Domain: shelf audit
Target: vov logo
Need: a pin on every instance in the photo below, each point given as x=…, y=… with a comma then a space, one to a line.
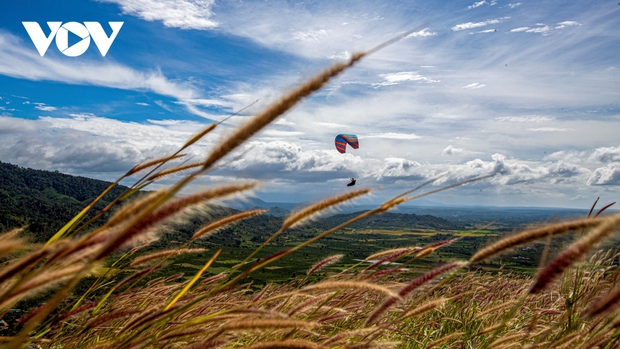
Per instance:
x=61, y=32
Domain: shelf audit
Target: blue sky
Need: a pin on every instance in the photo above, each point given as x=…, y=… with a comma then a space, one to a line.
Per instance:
x=528, y=87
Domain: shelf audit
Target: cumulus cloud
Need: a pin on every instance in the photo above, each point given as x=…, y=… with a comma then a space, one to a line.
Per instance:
x=516, y=173
x=281, y=160
x=608, y=175
x=86, y=143
x=184, y=14
x=601, y=155
x=450, y=150
x=401, y=169
x=606, y=154
x=571, y=156
x=10, y=125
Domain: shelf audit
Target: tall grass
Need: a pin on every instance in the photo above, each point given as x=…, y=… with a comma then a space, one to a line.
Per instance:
x=571, y=303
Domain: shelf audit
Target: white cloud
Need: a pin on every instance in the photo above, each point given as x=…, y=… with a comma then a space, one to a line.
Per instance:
x=88, y=144
x=194, y=105
x=10, y=125
x=545, y=29
x=476, y=4
x=542, y=29
x=289, y=161
x=570, y=156
x=184, y=14
x=608, y=175
x=208, y=102
x=426, y=32
x=43, y=107
x=450, y=150
x=312, y=35
x=601, y=155
x=473, y=86
x=344, y=55
x=399, y=168
x=400, y=77
x=606, y=154
x=166, y=122
x=565, y=24
x=471, y=25
x=142, y=104
x=515, y=5
x=163, y=105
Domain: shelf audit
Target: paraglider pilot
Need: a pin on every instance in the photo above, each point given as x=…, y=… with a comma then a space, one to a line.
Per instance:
x=352, y=182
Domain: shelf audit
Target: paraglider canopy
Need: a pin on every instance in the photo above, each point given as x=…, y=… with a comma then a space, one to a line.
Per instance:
x=343, y=139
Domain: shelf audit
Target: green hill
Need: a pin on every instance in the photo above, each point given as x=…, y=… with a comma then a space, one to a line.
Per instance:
x=44, y=201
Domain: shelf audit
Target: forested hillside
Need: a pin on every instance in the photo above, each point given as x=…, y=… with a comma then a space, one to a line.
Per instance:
x=44, y=201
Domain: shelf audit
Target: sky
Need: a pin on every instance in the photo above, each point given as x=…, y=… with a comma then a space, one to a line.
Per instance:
x=527, y=88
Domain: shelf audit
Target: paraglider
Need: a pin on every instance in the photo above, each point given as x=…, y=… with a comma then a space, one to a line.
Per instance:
x=343, y=139
x=341, y=145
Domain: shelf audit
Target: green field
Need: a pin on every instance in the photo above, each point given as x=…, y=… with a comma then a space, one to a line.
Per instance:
x=355, y=244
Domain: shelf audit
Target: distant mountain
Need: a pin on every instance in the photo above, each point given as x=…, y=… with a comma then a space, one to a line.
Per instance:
x=254, y=202
x=278, y=211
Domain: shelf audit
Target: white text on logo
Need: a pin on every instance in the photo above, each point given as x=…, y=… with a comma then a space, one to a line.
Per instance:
x=61, y=33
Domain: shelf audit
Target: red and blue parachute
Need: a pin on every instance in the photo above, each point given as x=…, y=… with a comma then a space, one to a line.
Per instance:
x=343, y=139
